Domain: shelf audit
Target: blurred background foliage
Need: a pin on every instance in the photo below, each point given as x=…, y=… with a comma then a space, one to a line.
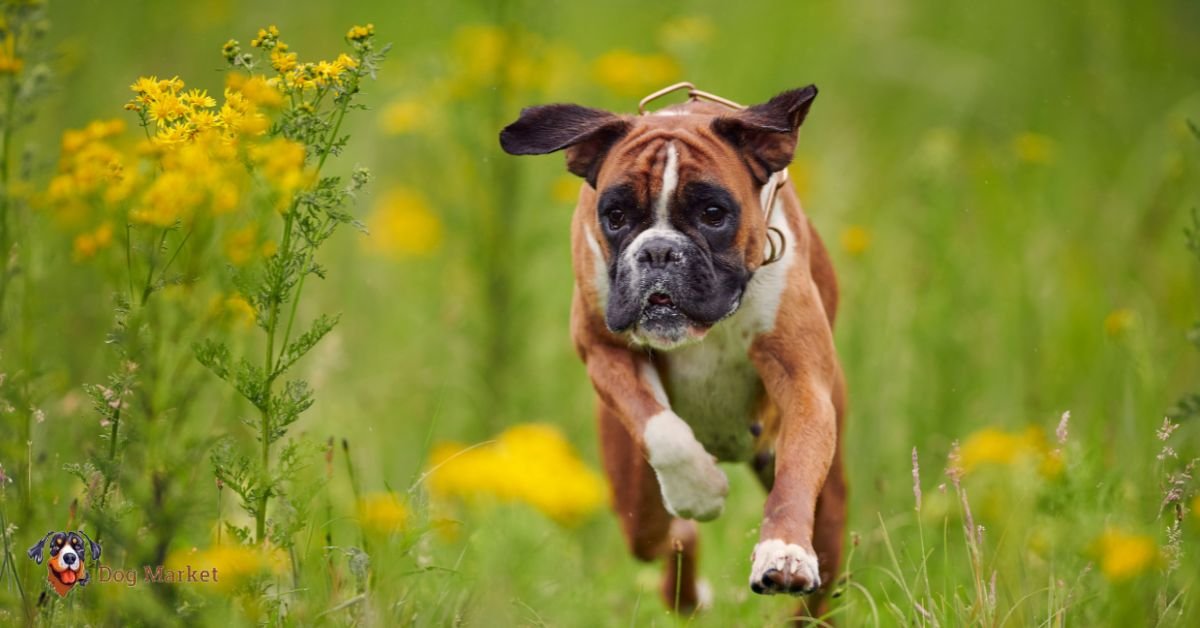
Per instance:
x=1003, y=188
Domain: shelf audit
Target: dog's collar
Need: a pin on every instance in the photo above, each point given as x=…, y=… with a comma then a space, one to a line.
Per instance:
x=775, y=183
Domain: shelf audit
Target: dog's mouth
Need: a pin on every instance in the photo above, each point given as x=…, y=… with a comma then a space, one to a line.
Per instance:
x=659, y=299
x=66, y=576
x=664, y=325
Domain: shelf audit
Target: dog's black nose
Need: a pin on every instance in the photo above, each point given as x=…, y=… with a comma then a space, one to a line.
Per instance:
x=69, y=559
x=659, y=254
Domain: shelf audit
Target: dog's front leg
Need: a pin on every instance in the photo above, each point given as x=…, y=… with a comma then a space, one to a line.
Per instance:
x=692, y=485
x=783, y=561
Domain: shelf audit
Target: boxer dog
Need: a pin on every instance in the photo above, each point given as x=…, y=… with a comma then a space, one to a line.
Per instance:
x=703, y=309
x=67, y=557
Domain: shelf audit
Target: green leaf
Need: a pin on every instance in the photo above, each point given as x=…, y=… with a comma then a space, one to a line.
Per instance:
x=302, y=345
x=214, y=356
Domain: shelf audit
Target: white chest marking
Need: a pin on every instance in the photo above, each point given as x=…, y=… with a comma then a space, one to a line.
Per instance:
x=712, y=384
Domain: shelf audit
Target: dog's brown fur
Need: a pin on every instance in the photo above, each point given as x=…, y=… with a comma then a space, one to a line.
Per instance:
x=802, y=395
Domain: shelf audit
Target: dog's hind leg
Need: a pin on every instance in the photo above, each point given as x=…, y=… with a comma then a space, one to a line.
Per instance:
x=650, y=531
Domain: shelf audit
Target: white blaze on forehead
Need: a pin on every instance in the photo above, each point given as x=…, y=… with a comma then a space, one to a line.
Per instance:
x=662, y=227
x=670, y=180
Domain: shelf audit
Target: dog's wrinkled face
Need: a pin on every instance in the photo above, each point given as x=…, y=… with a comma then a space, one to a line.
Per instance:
x=677, y=216
x=673, y=235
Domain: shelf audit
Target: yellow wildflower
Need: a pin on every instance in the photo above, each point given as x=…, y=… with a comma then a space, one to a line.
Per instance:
x=1034, y=148
x=995, y=446
x=346, y=61
x=230, y=564
x=197, y=98
x=9, y=62
x=103, y=129
x=1124, y=555
x=359, y=33
x=686, y=32
x=402, y=224
x=405, y=116
x=283, y=61
x=89, y=243
x=240, y=244
x=267, y=38
x=281, y=162
x=856, y=240
x=938, y=149
x=478, y=50
x=328, y=72
x=633, y=75
x=1118, y=322
x=531, y=463
x=166, y=108
x=146, y=87
x=800, y=174
x=382, y=513
x=566, y=189
x=239, y=310
x=256, y=89
x=170, y=198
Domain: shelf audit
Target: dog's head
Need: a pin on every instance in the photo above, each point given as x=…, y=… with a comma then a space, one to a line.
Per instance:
x=677, y=212
x=67, y=557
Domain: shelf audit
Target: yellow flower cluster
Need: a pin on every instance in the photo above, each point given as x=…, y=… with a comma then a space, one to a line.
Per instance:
x=193, y=163
x=530, y=463
x=402, y=224
x=234, y=564
x=634, y=75
x=360, y=33
x=856, y=240
x=244, y=244
x=281, y=162
x=382, y=513
x=294, y=75
x=10, y=63
x=1034, y=148
x=998, y=447
x=1124, y=555
x=1118, y=322
x=88, y=168
x=180, y=116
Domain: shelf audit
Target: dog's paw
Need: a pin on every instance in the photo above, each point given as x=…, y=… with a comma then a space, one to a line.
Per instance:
x=693, y=487
x=695, y=490
x=778, y=567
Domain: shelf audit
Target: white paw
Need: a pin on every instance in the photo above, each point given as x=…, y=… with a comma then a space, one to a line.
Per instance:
x=778, y=567
x=692, y=485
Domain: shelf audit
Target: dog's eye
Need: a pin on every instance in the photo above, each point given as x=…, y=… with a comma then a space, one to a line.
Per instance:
x=616, y=219
x=713, y=216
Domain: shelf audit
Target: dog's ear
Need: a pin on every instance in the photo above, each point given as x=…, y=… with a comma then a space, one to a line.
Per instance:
x=585, y=133
x=36, y=552
x=765, y=135
x=92, y=545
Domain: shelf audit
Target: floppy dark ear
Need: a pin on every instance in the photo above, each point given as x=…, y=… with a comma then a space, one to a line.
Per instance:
x=36, y=552
x=586, y=133
x=765, y=135
x=92, y=545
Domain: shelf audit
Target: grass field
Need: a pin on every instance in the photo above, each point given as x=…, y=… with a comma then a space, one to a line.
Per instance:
x=1004, y=189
